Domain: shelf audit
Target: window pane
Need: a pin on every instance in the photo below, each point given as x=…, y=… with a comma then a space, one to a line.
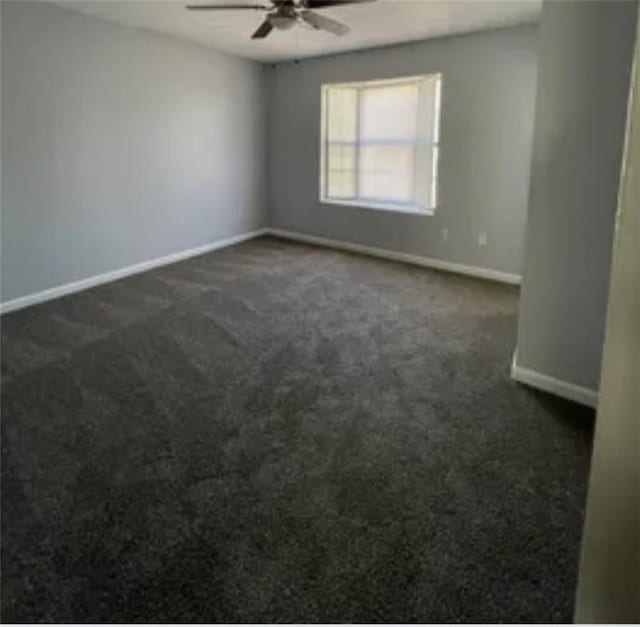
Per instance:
x=341, y=184
x=341, y=157
x=389, y=112
x=341, y=177
x=387, y=173
x=341, y=114
x=429, y=110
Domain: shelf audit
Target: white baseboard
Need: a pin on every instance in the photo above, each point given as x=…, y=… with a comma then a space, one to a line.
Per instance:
x=107, y=277
x=383, y=253
x=564, y=389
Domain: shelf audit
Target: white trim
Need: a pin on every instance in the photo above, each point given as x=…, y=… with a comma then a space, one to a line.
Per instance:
x=383, y=253
x=564, y=389
x=384, y=82
x=107, y=277
x=379, y=206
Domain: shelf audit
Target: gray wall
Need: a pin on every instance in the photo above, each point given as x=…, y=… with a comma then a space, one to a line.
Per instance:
x=583, y=85
x=119, y=146
x=488, y=95
x=609, y=588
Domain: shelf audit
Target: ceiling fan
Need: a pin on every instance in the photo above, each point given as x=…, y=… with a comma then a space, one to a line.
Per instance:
x=284, y=14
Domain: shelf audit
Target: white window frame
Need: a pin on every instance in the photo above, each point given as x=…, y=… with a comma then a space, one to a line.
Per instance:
x=365, y=203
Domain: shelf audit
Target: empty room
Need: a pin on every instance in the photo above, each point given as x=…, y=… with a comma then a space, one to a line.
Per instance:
x=319, y=311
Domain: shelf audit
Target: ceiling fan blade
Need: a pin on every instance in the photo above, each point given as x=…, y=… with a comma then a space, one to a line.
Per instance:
x=324, y=23
x=225, y=7
x=263, y=30
x=322, y=4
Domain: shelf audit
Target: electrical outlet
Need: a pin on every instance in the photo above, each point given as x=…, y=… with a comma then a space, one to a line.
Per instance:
x=482, y=239
x=444, y=234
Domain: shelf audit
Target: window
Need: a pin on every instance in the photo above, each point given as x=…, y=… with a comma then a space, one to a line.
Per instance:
x=380, y=143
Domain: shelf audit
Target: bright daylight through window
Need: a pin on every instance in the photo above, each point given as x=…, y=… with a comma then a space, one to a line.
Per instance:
x=380, y=143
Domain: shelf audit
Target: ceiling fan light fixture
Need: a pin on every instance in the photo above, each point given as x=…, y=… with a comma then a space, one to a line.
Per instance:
x=282, y=22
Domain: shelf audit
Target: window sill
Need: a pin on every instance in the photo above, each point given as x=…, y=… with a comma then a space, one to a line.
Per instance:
x=409, y=209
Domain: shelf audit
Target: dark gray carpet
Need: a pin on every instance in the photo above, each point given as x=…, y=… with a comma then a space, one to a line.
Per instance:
x=277, y=432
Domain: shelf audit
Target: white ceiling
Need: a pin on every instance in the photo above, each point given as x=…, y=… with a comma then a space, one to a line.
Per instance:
x=372, y=24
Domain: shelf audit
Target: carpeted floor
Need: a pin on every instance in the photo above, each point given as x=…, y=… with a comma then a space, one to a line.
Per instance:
x=276, y=433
